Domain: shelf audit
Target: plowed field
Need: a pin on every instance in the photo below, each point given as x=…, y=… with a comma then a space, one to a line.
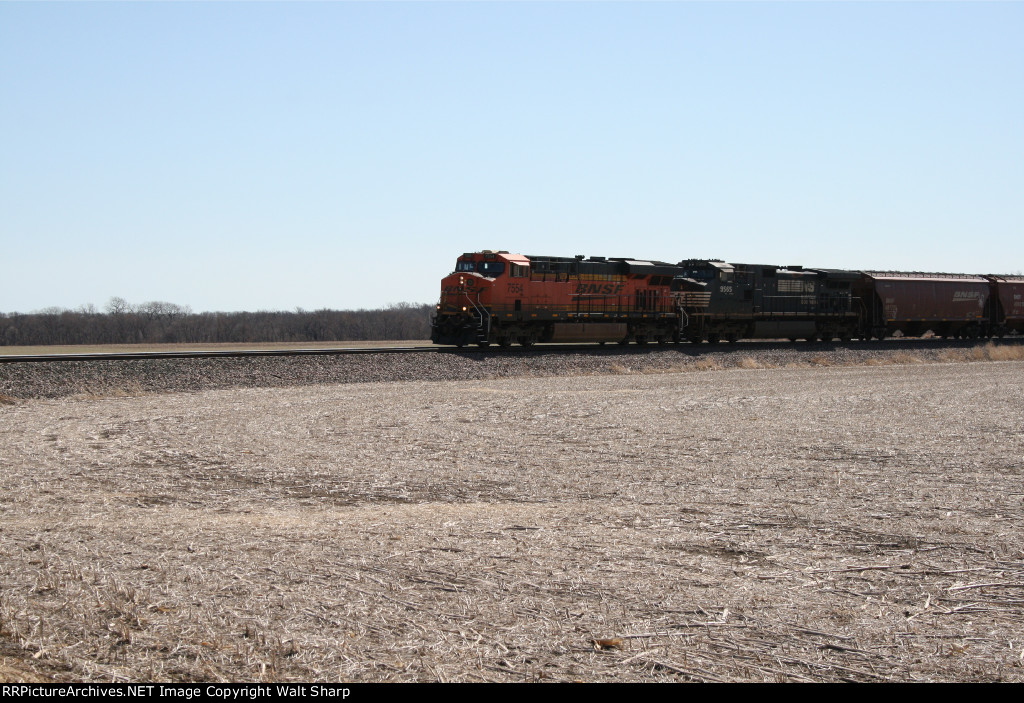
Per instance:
x=748, y=524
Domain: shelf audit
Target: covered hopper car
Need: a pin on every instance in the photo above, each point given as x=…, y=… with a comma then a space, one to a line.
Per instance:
x=1007, y=304
x=949, y=305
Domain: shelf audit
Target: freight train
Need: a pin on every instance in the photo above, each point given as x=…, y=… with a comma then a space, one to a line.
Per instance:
x=494, y=297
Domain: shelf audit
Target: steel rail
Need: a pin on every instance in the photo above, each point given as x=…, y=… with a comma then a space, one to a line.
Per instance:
x=247, y=353
x=609, y=348
x=207, y=354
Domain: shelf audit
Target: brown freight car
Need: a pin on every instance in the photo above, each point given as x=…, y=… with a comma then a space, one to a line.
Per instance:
x=1007, y=303
x=950, y=305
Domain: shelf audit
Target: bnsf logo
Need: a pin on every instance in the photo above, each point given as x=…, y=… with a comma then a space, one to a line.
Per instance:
x=969, y=296
x=599, y=288
x=455, y=288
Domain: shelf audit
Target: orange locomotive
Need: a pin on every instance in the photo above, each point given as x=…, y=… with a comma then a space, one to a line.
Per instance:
x=502, y=298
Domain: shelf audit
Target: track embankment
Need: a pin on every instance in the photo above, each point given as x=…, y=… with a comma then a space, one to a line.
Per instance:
x=113, y=378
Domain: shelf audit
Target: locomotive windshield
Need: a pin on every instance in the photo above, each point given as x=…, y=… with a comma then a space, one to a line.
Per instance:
x=700, y=274
x=491, y=268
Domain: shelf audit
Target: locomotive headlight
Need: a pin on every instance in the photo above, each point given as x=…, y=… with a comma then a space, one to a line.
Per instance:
x=462, y=281
x=464, y=308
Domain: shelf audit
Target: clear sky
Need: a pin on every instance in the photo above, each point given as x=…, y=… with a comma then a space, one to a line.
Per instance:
x=268, y=156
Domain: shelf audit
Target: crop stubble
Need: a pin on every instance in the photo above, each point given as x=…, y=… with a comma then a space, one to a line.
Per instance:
x=820, y=524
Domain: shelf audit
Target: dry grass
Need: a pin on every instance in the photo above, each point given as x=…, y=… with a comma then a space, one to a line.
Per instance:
x=998, y=352
x=1004, y=352
x=987, y=352
x=817, y=524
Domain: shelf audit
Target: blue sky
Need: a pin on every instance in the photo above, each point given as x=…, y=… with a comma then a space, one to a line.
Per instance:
x=254, y=156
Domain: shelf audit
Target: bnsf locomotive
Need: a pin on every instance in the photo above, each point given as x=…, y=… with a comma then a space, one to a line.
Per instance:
x=502, y=298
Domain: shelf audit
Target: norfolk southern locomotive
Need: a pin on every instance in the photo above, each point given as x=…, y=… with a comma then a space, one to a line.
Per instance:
x=494, y=297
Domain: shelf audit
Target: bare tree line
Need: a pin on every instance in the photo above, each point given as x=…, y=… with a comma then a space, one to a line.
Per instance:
x=159, y=322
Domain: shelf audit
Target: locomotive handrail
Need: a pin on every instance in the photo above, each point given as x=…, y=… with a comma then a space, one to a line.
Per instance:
x=482, y=312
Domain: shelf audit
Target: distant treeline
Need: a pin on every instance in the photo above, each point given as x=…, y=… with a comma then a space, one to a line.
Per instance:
x=159, y=323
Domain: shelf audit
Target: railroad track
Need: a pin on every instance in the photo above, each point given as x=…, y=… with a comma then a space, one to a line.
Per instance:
x=748, y=345
x=244, y=353
x=208, y=354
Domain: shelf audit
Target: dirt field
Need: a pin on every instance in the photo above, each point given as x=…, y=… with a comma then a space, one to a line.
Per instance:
x=821, y=524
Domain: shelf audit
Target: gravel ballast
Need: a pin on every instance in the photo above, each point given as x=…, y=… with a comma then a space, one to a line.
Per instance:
x=117, y=378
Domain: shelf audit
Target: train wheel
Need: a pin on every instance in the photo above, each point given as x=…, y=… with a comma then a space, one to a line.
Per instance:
x=641, y=340
x=484, y=344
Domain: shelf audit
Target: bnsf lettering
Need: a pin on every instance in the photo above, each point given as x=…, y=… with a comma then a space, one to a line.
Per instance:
x=456, y=288
x=599, y=288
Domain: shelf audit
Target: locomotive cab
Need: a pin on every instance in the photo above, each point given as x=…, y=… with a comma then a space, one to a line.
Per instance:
x=490, y=267
x=714, y=296
x=696, y=276
x=464, y=312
